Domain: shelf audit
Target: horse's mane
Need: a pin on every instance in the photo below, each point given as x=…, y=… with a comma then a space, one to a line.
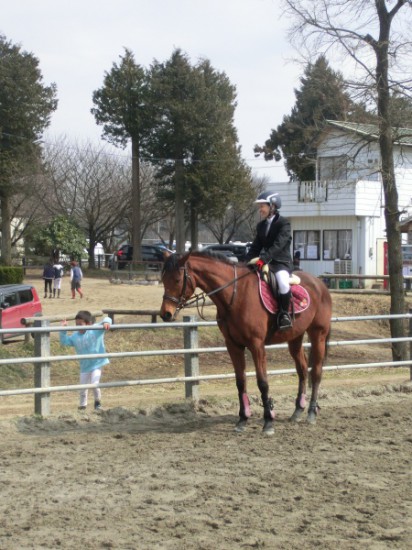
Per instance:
x=215, y=255
x=172, y=262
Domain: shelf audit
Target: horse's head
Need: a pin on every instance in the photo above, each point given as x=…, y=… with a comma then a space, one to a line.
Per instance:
x=178, y=285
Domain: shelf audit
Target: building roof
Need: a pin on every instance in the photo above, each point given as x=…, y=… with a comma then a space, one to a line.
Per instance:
x=403, y=136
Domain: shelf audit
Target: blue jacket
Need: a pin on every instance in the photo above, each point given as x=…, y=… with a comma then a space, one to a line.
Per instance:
x=92, y=341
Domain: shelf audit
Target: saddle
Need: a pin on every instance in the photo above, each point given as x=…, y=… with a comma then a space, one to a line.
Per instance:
x=300, y=297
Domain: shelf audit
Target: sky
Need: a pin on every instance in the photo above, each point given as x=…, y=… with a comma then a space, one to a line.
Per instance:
x=76, y=42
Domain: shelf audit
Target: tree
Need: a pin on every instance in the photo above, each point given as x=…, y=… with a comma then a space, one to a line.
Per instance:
x=62, y=234
x=26, y=105
x=374, y=38
x=194, y=139
x=321, y=97
x=90, y=186
x=237, y=220
x=121, y=107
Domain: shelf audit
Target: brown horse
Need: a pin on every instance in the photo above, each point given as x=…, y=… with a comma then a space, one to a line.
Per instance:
x=245, y=323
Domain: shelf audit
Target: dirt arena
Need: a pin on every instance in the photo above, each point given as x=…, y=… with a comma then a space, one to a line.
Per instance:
x=175, y=476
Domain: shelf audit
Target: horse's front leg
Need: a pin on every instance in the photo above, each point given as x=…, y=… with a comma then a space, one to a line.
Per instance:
x=237, y=355
x=298, y=354
x=259, y=358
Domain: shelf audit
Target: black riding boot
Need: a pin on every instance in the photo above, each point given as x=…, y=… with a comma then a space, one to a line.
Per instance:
x=284, y=319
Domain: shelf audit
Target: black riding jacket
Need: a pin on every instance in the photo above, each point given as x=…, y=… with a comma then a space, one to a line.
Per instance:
x=273, y=248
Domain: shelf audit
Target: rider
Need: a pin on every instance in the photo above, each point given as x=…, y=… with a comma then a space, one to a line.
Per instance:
x=272, y=246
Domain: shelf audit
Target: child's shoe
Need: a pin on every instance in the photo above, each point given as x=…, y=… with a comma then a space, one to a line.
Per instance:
x=81, y=408
x=97, y=406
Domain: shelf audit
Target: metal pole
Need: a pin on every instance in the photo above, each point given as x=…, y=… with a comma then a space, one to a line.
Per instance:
x=191, y=341
x=410, y=344
x=42, y=370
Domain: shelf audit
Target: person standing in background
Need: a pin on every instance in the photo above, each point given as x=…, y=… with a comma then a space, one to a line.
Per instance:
x=76, y=276
x=57, y=283
x=48, y=276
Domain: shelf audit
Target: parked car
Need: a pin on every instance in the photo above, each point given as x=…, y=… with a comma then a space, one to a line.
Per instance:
x=17, y=302
x=238, y=249
x=150, y=253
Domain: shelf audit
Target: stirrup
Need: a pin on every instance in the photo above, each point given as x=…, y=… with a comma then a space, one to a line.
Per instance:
x=284, y=321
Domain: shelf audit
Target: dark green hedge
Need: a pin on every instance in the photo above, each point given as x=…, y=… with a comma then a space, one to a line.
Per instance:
x=11, y=275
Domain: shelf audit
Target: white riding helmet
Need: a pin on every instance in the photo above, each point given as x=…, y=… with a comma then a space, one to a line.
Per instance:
x=273, y=199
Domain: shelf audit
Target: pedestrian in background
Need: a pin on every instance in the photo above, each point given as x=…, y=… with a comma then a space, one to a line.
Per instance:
x=76, y=276
x=57, y=283
x=48, y=276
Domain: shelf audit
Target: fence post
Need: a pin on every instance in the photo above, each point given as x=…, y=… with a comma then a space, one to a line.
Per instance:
x=42, y=370
x=191, y=341
x=410, y=344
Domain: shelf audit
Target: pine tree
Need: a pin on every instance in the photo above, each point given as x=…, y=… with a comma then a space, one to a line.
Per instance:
x=321, y=97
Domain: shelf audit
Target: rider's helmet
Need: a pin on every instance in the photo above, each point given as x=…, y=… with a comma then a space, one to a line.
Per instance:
x=273, y=199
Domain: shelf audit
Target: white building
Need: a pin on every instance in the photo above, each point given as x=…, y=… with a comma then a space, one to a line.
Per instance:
x=338, y=220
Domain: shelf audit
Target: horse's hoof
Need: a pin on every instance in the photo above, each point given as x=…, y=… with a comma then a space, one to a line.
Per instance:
x=297, y=416
x=313, y=413
x=240, y=426
x=268, y=428
x=312, y=417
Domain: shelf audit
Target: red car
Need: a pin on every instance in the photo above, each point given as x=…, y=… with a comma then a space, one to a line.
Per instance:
x=16, y=303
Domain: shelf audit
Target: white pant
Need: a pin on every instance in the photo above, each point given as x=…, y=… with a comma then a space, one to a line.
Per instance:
x=57, y=283
x=282, y=278
x=90, y=378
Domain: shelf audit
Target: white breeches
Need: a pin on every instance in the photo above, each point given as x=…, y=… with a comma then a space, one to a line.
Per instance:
x=57, y=284
x=282, y=278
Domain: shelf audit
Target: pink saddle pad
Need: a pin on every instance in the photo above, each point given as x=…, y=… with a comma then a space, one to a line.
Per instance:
x=300, y=298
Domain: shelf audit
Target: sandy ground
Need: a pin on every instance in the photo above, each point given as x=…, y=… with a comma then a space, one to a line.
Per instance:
x=176, y=476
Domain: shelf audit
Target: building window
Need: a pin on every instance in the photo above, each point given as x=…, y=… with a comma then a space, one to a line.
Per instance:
x=333, y=168
x=337, y=244
x=307, y=243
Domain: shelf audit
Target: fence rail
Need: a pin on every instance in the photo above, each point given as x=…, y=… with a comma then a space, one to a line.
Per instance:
x=42, y=359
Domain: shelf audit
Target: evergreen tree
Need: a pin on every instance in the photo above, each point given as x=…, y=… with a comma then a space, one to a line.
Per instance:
x=121, y=106
x=194, y=129
x=26, y=105
x=321, y=97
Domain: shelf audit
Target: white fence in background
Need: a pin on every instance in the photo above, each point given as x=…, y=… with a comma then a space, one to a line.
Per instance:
x=43, y=360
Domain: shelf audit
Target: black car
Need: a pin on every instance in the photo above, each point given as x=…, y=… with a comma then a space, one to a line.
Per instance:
x=150, y=253
x=238, y=249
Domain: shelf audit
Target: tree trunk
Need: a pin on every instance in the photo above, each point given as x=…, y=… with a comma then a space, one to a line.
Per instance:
x=5, y=230
x=393, y=233
x=136, y=200
x=180, y=206
x=194, y=228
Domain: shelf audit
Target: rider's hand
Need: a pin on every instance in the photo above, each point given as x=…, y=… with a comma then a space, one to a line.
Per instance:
x=259, y=264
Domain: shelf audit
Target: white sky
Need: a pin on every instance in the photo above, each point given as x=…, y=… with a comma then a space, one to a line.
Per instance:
x=77, y=41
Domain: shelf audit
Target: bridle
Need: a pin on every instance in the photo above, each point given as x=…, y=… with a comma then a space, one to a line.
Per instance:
x=183, y=302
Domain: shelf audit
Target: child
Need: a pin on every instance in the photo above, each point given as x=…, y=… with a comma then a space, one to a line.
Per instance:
x=76, y=276
x=88, y=342
x=58, y=274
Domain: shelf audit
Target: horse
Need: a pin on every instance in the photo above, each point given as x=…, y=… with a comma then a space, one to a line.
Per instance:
x=245, y=323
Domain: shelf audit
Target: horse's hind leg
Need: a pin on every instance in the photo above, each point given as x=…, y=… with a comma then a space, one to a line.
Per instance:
x=297, y=352
x=237, y=355
x=317, y=356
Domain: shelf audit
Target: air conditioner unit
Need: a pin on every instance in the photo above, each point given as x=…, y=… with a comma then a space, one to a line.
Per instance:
x=342, y=267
